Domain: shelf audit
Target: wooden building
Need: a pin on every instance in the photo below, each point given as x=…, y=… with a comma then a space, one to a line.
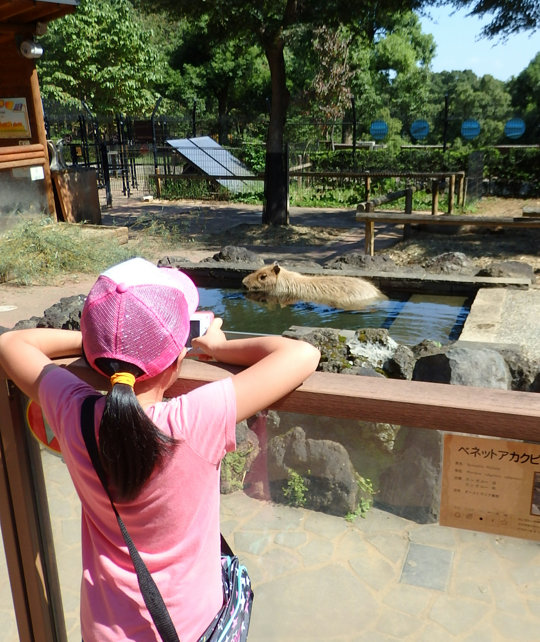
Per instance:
x=25, y=176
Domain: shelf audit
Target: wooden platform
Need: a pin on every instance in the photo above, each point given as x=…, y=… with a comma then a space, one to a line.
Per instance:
x=399, y=218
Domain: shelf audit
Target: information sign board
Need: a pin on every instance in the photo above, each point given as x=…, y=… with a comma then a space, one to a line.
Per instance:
x=14, y=118
x=491, y=485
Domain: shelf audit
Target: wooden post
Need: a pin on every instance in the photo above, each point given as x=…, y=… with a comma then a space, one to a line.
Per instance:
x=42, y=138
x=461, y=189
x=158, y=183
x=434, y=196
x=451, y=190
x=367, y=187
x=408, y=210
x=408, y=200
x=369, y=246
x=26, y=526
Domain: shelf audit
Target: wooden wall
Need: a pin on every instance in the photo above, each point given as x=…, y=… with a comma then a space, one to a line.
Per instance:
x=18, y=78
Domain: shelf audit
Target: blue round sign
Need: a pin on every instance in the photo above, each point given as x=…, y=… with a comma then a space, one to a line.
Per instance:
x=419, y=129
x=470, y=129
x=514, y=128
x=378, y=129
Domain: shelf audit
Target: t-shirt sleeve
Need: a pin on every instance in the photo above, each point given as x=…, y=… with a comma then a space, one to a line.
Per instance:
x=60, y=396
x=206, y=419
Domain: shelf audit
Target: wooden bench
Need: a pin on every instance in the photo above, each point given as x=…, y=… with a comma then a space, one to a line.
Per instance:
x=399, y=218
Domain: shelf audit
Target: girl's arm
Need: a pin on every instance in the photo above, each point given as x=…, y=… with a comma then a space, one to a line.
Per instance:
x=24, y=354
x=276, y=366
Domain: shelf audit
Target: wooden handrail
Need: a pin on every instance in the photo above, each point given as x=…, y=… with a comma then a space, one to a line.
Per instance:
x=464, y=409
x=401, y=218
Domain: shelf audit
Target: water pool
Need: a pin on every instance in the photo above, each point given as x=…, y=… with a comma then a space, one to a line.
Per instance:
x=409, y=319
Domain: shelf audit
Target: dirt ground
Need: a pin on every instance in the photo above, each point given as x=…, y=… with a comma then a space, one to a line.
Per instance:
x=312, y=235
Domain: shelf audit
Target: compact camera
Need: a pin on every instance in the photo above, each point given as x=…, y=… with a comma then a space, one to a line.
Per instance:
x=199, y=323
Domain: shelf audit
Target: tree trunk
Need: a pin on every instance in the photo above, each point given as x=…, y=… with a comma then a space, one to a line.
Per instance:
x=223, y=119
x=276, y=180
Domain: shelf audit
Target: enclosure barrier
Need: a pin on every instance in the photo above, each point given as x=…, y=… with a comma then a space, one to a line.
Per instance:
x=24, y=513
x=456, y=182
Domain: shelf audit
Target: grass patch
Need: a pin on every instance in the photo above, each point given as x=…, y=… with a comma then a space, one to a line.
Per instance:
x=36, y=251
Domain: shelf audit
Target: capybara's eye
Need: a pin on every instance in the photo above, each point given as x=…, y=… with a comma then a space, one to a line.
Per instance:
x=262, y=277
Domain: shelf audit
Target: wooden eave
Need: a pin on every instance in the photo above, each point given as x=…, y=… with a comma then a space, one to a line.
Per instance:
x=20, y=17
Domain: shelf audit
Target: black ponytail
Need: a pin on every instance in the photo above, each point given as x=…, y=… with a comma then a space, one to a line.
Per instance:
x=130, y=444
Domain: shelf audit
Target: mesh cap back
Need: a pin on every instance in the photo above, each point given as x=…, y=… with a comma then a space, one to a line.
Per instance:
x=139, y=313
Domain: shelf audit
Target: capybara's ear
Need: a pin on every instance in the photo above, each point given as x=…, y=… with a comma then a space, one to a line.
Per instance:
x=276, y=268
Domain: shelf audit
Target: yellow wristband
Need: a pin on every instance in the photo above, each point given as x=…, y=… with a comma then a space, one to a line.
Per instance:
x=123, y=377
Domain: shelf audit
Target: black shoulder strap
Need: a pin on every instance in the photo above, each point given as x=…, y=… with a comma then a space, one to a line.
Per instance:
x=150, y=592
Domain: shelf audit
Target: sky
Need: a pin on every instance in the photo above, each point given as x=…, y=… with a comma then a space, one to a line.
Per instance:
x=458, y=47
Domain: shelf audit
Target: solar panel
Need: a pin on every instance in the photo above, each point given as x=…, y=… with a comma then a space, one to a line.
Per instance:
x=214, y=160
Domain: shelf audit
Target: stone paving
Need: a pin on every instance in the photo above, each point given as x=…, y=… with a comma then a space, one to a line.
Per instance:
x=322, y=578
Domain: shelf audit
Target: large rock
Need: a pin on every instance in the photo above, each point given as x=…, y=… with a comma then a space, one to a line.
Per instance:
x=508, y=269
x=449, y=263
x=378, y=263
x=524, y=370
x=483, y=368
x=64, y=315
x=410, y=487
x=234, y=254
x=236, y=464
x=330, y=484
x=332, y=344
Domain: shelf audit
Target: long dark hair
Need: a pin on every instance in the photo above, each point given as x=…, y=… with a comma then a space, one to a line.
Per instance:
x=130, y=444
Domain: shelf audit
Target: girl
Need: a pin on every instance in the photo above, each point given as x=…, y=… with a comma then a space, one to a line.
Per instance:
x=161, y=458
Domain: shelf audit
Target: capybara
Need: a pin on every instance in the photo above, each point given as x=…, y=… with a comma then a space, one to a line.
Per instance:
x=346, y=292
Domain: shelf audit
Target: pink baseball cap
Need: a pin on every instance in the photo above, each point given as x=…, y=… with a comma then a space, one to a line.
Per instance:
x=139, y=313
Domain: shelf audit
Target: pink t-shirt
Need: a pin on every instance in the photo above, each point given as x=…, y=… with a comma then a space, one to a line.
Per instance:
x=174, y=521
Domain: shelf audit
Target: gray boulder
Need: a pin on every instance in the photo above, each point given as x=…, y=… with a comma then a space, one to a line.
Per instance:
x=449, y=263
x=328, y=479
x=64, y=315
x=465, y=366
x=508, y=269
x=410, y=487
x=234, y=254
x=379, y=262
x=172, y=261
x=401, y=364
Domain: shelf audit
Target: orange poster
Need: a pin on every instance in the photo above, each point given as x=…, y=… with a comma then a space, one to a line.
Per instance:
x=14, y=118
x=491, y=485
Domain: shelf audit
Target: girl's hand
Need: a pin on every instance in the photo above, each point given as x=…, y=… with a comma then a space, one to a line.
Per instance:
x=213, y=338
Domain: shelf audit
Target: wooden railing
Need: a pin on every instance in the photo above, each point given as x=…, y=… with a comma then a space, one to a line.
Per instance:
x=23, y=505
x=456, y=181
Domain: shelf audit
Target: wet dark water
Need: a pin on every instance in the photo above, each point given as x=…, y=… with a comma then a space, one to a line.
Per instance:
x=408, y=318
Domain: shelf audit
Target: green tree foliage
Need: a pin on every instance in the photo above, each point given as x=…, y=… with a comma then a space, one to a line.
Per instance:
x=331, y=93
x=398, y=63
x=270, y=23
x=484, y=98
x=101, y=54
x=506, y=16
x=525, y=92
x=228, y=75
